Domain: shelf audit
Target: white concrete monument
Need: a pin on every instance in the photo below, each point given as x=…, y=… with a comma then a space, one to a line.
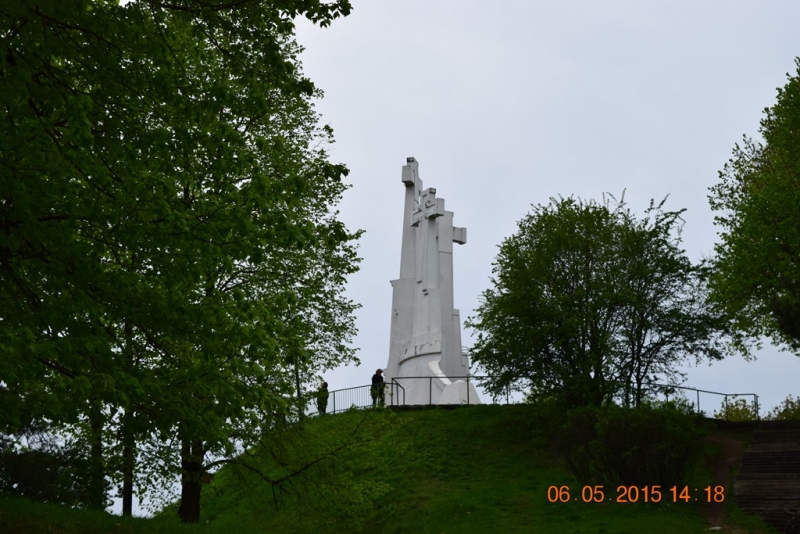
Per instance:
x=425, y=348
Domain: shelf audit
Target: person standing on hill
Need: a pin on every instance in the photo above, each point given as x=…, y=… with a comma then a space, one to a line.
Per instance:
x=322, y=398
x=376, y=391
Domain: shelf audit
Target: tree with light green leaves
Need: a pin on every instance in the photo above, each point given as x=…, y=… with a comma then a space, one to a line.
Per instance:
x=169, y=251
x=589, y=304
x=756, y=278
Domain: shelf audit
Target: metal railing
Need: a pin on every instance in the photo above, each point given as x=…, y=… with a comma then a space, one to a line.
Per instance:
x=666, y=389
x=341, y=400
x=401, y=400
x=360, y=397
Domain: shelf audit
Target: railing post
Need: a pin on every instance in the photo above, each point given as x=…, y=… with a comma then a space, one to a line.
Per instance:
x=467, y=390
x=430, y=391
x=698, y=401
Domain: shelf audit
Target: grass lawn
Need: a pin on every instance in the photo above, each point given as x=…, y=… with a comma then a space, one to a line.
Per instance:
x=469, y=470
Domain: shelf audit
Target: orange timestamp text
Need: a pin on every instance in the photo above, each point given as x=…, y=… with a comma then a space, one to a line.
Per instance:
x=631, y=494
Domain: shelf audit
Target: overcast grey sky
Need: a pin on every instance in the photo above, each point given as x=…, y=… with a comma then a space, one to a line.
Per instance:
x=508, y=103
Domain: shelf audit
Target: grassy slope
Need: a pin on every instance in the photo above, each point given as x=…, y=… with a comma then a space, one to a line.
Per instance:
x=478, y=469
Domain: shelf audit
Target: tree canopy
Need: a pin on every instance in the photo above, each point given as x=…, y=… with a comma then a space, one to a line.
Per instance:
x=588, y=304
x=756, y=278
x=170, y=260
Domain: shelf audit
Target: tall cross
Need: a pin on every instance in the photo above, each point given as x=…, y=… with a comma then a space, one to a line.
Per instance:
x=429, y=207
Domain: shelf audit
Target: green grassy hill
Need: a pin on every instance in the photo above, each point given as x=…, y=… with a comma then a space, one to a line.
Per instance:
x=473, y=469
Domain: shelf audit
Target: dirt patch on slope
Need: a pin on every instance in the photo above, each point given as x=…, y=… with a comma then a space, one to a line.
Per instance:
x=722, y=464
x=730, y=439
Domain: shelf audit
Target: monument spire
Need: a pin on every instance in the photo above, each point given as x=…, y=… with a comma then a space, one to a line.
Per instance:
x=425, y=336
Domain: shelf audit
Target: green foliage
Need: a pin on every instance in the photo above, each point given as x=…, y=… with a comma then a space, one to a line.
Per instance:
x=647, y=445
x=736, y=410
x=49, y=474
x=171, y=263
x=755, y=280
x=788, y=410
x=589, y=303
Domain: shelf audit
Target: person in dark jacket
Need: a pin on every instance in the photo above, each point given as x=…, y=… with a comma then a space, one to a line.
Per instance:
x=322, y=398
x=376, y=391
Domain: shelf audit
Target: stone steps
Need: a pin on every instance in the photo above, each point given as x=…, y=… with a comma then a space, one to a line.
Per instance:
x=769, y=474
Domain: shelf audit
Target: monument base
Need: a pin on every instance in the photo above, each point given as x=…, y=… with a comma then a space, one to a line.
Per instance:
x=459, y=392
x=429, y=385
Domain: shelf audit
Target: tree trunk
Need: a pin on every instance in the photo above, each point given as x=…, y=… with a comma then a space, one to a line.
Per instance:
x=598, y=383
x=127, y=437
x=128, y=452
x=192, y=466
x=638, y=391
x=97, y=478
x=300, y=402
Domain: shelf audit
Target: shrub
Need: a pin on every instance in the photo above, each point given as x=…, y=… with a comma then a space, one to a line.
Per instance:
x=789, y=409
x=57, y=476
x=737, y=410
x=647, y=445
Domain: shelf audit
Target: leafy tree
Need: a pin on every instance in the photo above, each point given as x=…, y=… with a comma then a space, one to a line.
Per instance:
x=787, y=410
x=588, y=303
x=167, y=239
x=757, y=264
x=736, y=410
x=664, y=316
